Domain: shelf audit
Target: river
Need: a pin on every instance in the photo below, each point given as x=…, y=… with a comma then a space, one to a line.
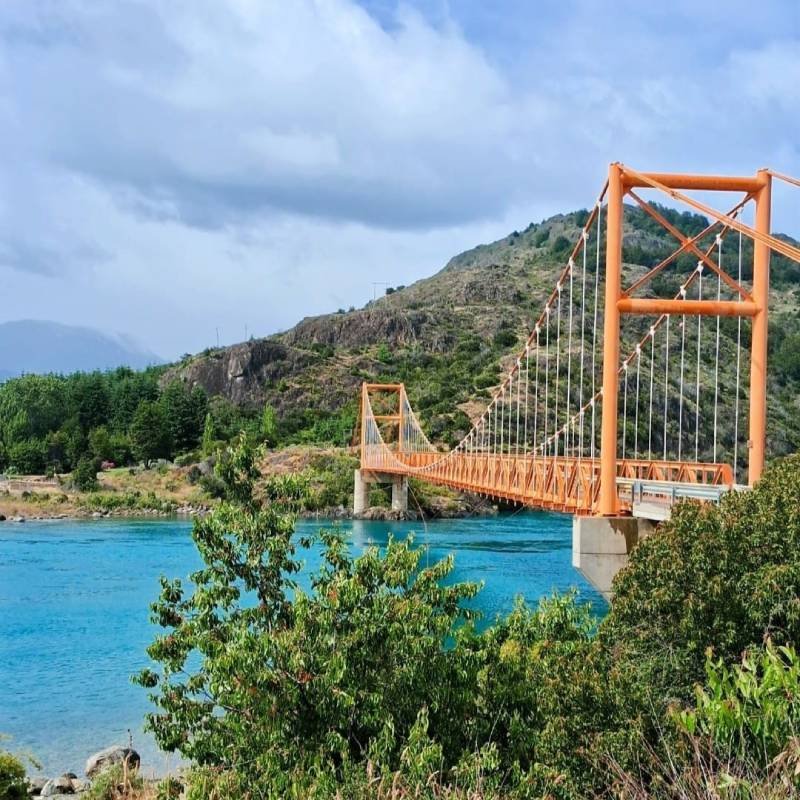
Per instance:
x=74, y=599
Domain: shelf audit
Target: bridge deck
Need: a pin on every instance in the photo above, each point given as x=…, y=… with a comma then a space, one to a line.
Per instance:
x=559, y=483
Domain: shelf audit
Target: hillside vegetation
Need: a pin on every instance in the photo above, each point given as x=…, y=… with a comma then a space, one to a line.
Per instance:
x=448, y=337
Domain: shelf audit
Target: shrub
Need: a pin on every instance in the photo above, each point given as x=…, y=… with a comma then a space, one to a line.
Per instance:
x=721, y=577
x=84, y=477
x=115, y=783
x=373, y=678
x=13, y=785
x=750, y=710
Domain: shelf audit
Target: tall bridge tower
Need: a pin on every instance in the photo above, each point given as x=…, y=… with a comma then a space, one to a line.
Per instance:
x=636, y=388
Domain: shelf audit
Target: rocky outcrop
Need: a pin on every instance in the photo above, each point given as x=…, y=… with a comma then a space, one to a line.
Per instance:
x=241, y=372
x=394, y=327
x=116, y=754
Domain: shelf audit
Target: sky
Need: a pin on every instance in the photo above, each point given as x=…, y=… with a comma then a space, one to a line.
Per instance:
x=177, y=171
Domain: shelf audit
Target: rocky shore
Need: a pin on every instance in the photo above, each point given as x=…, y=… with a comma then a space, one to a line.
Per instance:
x=182, y=511
x=69, y=784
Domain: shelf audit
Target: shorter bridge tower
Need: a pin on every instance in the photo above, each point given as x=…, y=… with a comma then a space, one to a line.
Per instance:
x=387, y=420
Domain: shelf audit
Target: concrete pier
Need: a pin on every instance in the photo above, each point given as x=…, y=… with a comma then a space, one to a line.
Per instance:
x=362, y=479
x=400, y=493
x=601, y=546
x=360, y=494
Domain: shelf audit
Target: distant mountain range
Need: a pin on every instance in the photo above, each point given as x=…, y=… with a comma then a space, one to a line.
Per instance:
x=39, y=346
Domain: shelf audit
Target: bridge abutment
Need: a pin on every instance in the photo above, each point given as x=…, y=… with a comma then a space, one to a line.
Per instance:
x=601, y=547
x=361, y=483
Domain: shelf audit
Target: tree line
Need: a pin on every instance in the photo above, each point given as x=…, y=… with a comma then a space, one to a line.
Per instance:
x=56, y=423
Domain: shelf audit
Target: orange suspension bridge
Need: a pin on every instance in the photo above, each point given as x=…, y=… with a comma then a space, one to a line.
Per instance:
x=603, y=419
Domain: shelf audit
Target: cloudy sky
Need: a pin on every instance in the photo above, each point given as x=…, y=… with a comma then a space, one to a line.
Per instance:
x=171, y=167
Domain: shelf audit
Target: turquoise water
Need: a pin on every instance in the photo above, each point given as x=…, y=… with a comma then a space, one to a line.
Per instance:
x=74, y=623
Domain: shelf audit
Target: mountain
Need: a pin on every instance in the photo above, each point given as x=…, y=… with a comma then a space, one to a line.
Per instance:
x=39, y=346
x=449, y=337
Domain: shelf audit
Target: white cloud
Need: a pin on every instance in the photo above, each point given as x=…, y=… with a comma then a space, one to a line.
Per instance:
x=170, y=167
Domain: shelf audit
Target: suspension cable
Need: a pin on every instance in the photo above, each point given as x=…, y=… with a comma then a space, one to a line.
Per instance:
x=569, y=357
x=738, y=365
x=697, y=379
x=527, y=382
x=680, y=398
x=650, y=412
x=636, y=420
x=666, y=385
x=716, y=349
x=624, y=407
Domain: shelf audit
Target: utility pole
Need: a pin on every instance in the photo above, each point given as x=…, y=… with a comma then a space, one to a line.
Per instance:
x=217, y=330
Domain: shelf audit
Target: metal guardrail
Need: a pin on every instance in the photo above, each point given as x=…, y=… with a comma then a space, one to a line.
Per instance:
x=654, y=499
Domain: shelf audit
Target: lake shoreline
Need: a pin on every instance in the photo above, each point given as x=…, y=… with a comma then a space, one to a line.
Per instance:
x=31, y=512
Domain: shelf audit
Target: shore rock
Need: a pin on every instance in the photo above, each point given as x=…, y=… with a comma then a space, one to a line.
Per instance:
x=35, y=786
x=116, y=754
x=58, y=786
x=386, y=514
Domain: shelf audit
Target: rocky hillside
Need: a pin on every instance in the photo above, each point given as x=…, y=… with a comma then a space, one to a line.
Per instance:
x=446, y=336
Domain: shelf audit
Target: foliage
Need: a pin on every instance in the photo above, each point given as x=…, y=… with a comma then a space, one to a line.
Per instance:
x=150, y=432
x=721, y=577
x=84, y=477
x=115, y=783
x=331, y=481
x=51, y=422
x=185, y=411
x=169, y=789
x=370, y=673
x=269, y=425
x=208, y=441
x=13, y=785
x=128, y=501
x=752, y=709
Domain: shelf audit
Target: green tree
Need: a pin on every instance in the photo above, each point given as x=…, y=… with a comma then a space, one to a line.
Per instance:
x=90, y=399
x=185, y=410
x=269, y=426
x=13, y=785
x=150, y=432
x=100, y=443
x=209, y=440
x=275, y=685
x=722, y=577
x=28, y=456
x=128, y=389
x=84, y=476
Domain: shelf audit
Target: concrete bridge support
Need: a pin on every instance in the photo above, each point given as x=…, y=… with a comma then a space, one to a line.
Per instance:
x=601, y=546
x=362, y=480
x=360, y=493
x=400, y=493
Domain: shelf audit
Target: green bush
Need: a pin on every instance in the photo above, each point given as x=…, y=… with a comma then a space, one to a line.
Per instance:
x=84, y=476
x=374, y=675
x=114, y=783
x=13, y=785
x=721, y=577
x=750, y=710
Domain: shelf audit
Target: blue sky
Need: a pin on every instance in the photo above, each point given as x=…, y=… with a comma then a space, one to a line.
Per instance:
x=171, y=168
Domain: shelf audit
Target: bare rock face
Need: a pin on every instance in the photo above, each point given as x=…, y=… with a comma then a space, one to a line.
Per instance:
x=116, y=754
x=393, y=327
x=241, y=372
